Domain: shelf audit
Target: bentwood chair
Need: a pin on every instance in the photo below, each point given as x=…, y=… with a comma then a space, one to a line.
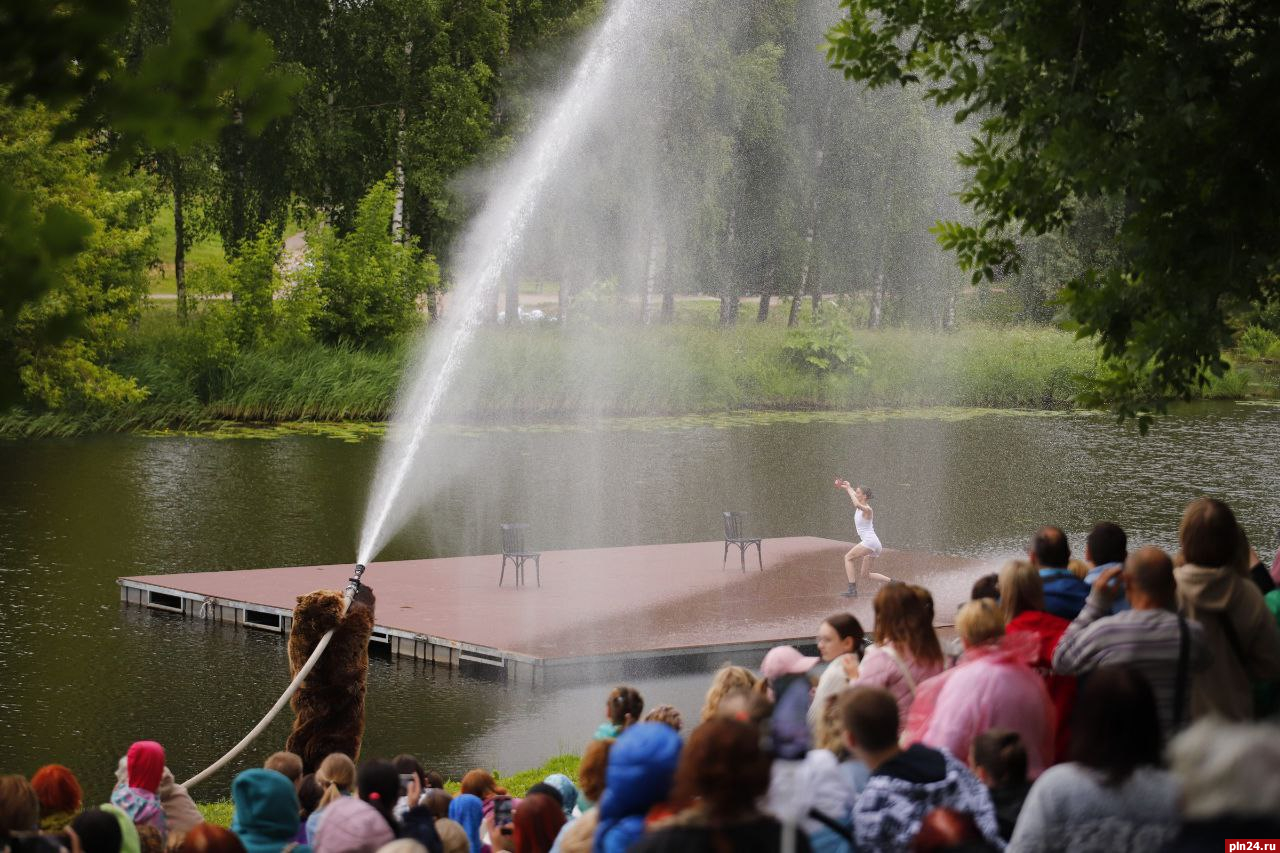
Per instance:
x=733, y=535
x=513, y=549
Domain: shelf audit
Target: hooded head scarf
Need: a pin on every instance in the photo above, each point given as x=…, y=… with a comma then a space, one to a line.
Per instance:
x=266, y=811
x=146, y=765
x=568, y=791
x=352, y=826
x=467, y=810
x=128, y=832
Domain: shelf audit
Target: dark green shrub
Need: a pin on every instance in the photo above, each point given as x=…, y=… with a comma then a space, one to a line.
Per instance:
x=368, y=285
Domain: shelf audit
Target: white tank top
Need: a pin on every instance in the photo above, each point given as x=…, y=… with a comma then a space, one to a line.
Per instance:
x=862, y=521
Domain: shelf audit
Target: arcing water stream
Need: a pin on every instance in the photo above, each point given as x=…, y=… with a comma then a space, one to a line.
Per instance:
x=486, y=252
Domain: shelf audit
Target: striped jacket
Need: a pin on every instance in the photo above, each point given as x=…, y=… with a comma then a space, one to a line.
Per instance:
x=1146, y=640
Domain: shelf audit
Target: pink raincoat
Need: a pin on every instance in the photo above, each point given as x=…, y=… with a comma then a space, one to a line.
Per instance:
x=992, y=686
x=898, y=672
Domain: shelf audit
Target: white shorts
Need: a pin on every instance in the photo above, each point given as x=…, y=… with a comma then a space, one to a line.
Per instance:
x=873, y=542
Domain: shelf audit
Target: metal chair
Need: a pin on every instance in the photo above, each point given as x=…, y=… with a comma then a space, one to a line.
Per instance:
x=513, y=550
x=733, y=536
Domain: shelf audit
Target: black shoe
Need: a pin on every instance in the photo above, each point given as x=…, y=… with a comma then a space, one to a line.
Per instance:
x=851, y=592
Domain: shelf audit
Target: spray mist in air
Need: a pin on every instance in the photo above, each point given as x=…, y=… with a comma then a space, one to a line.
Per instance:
x=691, y=148
x=487, y=249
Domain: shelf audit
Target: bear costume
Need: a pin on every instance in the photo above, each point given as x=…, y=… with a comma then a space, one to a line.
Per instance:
x=329, y=706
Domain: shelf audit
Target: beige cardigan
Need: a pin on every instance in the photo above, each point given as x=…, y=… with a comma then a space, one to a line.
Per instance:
x=1215, y=597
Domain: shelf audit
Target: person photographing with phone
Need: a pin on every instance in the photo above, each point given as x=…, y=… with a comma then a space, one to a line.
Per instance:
x=857, y=563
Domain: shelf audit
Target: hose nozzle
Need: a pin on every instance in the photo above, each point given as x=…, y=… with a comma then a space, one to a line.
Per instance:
x=353, y=582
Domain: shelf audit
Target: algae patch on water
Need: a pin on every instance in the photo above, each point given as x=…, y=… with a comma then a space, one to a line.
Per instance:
x=351, y=432
x=355, y=432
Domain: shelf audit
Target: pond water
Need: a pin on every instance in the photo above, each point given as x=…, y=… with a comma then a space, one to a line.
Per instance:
x=84, y=676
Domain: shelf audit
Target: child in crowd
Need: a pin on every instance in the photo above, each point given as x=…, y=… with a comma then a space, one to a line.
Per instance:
x=336, y=776
x=138, y=797
x=728, y=679
x=1000, y=760
x=621, y=711
x=905, y=784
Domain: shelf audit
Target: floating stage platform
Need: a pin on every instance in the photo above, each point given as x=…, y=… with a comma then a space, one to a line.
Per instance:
x=594, y=605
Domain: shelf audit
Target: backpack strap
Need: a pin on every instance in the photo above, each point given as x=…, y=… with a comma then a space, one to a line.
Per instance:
x=902, y=667
x=832, y=824
x=1180, y=685
x=1233, y=639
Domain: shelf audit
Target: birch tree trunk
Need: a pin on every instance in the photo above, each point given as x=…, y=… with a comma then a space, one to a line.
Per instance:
x=668, y=283
x=803, y=282
x=650, y=275
x=399, y=229
x=767, y=285
x=397, y=215
x=876, y=315
x=815, y=286
x=811, y=231
x=729, y=285
x=877, y=300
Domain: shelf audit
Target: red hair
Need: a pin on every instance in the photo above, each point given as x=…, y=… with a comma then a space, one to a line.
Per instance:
x=724, y=766
x=537, y=822
x=208, y=838
x=57, y=789
x=482, y=784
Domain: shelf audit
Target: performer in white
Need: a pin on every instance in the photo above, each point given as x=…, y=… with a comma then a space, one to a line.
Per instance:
x=868, y=547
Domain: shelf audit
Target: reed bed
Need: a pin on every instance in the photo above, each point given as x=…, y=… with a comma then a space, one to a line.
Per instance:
x=546, y=372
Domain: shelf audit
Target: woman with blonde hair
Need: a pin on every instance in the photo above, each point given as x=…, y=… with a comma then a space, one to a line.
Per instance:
x=1022, y=601
x=906, y=651
x=991, y=686
x=728, y=679
x=336, y=777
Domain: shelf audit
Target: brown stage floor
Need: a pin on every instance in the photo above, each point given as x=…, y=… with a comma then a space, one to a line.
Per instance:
x=600, y=603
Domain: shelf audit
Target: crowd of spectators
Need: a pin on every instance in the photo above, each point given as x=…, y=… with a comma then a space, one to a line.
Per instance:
x=1125, y=703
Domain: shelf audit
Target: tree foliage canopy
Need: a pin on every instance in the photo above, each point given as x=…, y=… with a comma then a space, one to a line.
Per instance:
x=54, y=344
x=1167, y=110
x=66, y=57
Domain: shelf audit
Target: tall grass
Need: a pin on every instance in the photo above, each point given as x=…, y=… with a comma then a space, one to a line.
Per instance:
x=693, y=368
x=540, y=372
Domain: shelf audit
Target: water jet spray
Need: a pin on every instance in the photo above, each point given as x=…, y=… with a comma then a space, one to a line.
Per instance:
x=487, y=253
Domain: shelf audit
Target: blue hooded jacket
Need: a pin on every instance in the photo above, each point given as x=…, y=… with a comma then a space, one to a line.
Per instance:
x=642, y=764
x=266, y=811
x=1064, y=593
x=468, y=811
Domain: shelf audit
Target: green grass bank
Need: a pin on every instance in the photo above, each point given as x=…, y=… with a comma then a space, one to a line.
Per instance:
x=543, y=372
x=220, y=812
